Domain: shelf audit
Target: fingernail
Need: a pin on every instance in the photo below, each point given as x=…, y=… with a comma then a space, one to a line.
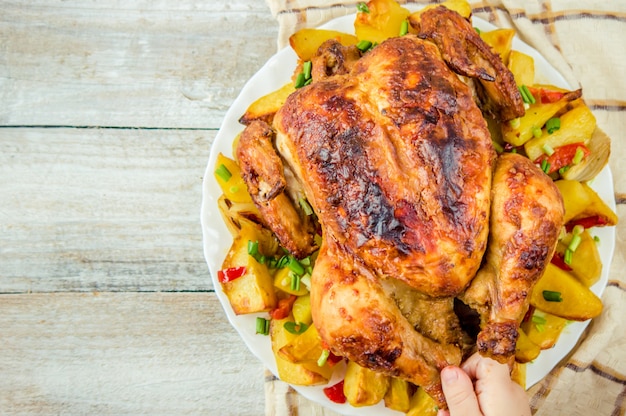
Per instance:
x=449, y=375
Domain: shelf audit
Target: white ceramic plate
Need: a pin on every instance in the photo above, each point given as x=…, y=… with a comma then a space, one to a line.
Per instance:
x=217, y=240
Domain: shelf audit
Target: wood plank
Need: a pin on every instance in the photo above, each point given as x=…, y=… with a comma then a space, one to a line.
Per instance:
x=120, y=63
x=102, y=209
x=124, y=354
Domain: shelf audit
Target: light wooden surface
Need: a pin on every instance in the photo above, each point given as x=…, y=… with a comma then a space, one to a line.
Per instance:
x=108, y=113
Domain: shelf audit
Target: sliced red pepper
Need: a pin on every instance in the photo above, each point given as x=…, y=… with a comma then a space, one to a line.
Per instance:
x=335, y=393
x=230, y=274
x=545, y=96
x=563, y=156
x=283, y=308
x=588, y=222
x=559, y=262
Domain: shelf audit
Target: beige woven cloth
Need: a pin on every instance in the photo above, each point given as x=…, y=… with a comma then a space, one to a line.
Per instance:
x=585, y=40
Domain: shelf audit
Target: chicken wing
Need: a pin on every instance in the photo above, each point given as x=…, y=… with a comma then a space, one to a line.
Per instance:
x=464, y=50
x=267, y=186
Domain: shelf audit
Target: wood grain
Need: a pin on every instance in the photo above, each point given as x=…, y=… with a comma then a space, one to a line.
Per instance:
x=128, y=63
x=102, y=209
x=124, y=354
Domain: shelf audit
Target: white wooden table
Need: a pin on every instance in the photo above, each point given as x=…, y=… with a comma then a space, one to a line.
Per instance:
x=107, y=114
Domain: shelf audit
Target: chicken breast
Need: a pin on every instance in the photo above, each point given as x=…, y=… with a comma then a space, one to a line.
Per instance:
x=396, y=160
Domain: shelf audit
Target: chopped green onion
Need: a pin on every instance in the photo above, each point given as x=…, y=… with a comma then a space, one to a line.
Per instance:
x=362, y=7
x=223, y=172
x=300, y=80
x=596, y=239
x=540, y=320
x=364, y=45
x=295, y=266
x=404, y=28
x=553, y=125
x=477, y=30
x=573, y=245
x=295, y=282
x=234, y=189
x=515, y=123
x=497, y=146
x=563, y=170
x=578, y=229
x=545, y=166
x=306, y=281
x=537, y=132
x=282, y=262
x=552, y=296
x=306, y=69
x=514, y=150
x=527, y=96
x=262, y=326
x=547, y=149
x=295, y=328
x=306, y=207
x=253, y=250
x=306, y=261
x=578, y=156
x=567, y=257
x=323, y=357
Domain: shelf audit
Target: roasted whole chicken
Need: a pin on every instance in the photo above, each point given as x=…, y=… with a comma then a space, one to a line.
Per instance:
x=417, y=212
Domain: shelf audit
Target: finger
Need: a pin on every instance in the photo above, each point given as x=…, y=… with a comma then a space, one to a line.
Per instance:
x=459, y=392
x=485, y=368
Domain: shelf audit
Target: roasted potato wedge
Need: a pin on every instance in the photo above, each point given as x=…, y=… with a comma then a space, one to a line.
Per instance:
x=305, y=42
x=586, y=263
x=577, y=302
x=364, y=387
x=302, y=310
x=518, y=374
x=228, y=176
x=398, y=396
x=383, y=21
x=597, y=208
x=236, y=215
x=304, y=374
x=544, y=329
x=254, y=290
x=577, y=126
x=500, y=41
x=523, y=67
x=519, y=131
x=575, y=198
x=265, y=107
x=422, y=404
x=306, y=347
x=525, y=349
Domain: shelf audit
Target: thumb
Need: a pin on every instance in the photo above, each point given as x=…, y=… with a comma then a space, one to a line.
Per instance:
x=459, y=392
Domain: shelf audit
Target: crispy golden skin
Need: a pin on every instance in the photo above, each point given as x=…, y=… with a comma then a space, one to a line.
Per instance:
x=396, y=160
x=465, y=52
x=266, y=183
x=526, y=219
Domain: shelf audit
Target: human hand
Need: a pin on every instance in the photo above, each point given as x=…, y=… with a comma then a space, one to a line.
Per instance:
x=482, y=387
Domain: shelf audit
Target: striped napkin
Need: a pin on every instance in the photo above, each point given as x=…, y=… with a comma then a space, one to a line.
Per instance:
x=585, y=40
